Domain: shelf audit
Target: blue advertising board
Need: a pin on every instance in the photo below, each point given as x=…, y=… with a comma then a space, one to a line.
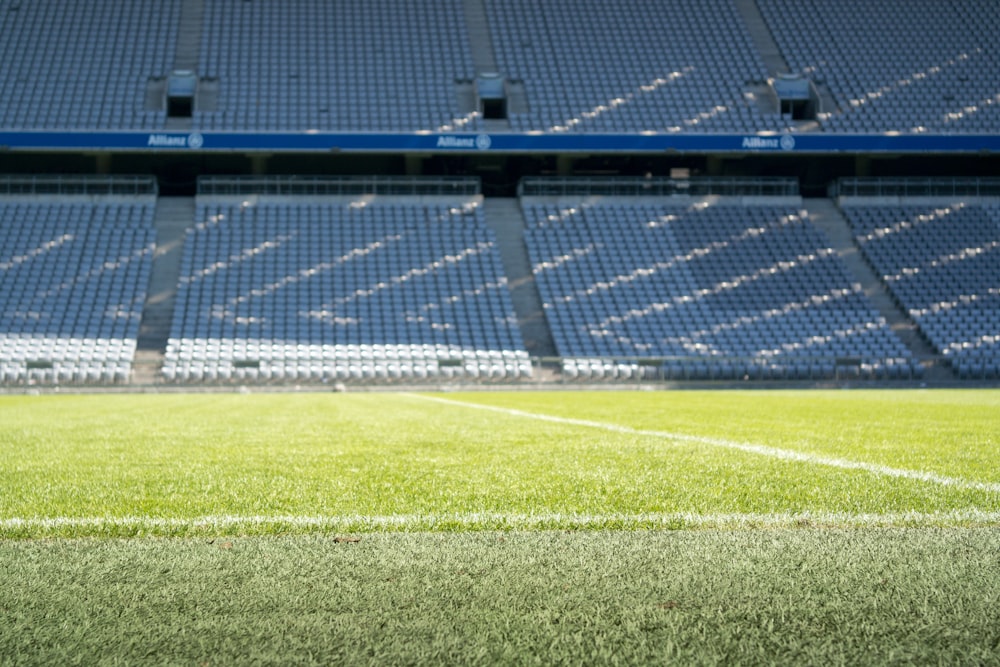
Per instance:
x=298, y=142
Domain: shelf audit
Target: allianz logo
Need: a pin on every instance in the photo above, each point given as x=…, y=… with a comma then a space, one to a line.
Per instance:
x=785, y=142
x=480, y=142
x=193, y=140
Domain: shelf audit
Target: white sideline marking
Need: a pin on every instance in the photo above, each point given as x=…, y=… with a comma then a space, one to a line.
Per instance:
x=501, y=521
x=762, y=450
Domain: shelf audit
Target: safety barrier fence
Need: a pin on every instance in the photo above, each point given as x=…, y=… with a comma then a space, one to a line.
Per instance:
x=542, y=371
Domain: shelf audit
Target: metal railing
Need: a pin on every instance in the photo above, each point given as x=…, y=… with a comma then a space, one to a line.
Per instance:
x=540, y=186
x=545, y=372
x=16, y=184
x=339, y=185
x=917, y=187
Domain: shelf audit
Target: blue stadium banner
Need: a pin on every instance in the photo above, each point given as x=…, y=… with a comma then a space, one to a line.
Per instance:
x=298, y=142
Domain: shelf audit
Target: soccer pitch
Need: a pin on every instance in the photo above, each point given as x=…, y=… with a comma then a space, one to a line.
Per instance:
x=704, y=527
x=221, y=464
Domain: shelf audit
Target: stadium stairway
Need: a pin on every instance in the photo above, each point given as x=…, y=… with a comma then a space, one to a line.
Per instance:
x=825, y=215
x=505, y=218
x=189, y=35
x=173, y=217
x=188, y=45
x=483, y=55
x=480, y=40
x=771, y=54
x=761, y=36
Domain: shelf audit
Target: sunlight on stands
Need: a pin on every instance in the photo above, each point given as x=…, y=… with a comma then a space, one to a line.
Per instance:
x=472, y=293
x=109, y=266
x=966, y=346
x=734, y=283
x=456, y=124
x=427, y=269
x=244, y=256
x=556, y=262
x=814, y=341
x=616, y=102
x=662, y=221
x=943, y=260
x=911, y=80
x=562, y=216
x=306, y=274
x=904, y=225
x=362, y=202
x=37, y=252
x=972, y=110
x=957, y=302
x=646, y=271
x=696, y=120
x=466, y=209
x=743, y=321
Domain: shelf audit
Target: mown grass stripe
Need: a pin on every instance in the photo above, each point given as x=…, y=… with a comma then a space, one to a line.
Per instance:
x=506, y=521
x=761, y=450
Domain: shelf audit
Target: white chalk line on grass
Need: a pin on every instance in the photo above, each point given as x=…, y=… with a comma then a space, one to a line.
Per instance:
x=501, y=521
x=762, y=450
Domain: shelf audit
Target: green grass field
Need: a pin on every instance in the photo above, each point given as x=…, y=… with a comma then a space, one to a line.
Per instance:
x=567, y=527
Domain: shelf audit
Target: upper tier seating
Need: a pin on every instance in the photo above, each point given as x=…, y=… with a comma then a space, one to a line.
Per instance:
x=719, y=290
x=584, y=66
x=73, y=279
x=942, y=263
x=908, y=66
x=623, y=66
x=378, y=65
x=83, y=65
x=342, y=290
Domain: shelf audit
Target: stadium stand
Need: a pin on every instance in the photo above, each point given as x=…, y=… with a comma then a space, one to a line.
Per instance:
x=598, y=66
x=349, y=288
x=583, y=66
x=83, y=65
x=315, y=280
x=702, y=288
x=379, y=65
x=73, y=275
x=940, y=259
x=910, y=67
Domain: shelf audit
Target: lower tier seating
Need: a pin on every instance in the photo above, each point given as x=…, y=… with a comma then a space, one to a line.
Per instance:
x=703, y=290
x=941, y=262
x=342, y=290
x=73, y=279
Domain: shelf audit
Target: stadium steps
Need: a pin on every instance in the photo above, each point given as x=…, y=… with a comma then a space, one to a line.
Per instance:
x=187, y=49
x=189, y=35
x=174, y=215
x=480, y=40
x=484, y=59
x=770, y=52
x=505, y=218
x=825, y=215
x=761, y=36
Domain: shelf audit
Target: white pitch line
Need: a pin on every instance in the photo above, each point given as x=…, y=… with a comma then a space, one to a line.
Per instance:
x=502, y=521
x=762, y=450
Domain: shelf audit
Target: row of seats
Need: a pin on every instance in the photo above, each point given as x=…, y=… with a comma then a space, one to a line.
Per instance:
x=73, y=281
x=941, y=262
x=603, y=369
x=938, y=76
x=84, y=65
x=379, y=65
x=710, y=283
x=597, y=66
x=607, y=66
x=334, y=291
x=643, y=288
